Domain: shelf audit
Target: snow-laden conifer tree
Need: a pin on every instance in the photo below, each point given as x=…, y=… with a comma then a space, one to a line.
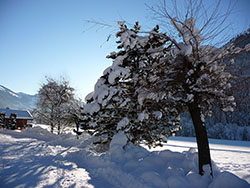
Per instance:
x=2, y=118
x=114, y=104
x=12, y=121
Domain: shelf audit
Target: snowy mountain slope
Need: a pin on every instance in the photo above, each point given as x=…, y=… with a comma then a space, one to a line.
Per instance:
x=47, y=160
x=14, y=100
x=231, y=125
x=240, y=69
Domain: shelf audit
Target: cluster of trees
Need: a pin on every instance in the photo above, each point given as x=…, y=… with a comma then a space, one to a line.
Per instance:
x=216, y=129
x=57, y=105
x=239, y=67
x=10, y=124
x=154, y=79
x=231, y=125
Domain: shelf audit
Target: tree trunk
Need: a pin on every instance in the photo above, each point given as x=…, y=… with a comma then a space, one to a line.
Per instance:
x=201, y=137
x=51, y=127
x=58, y=128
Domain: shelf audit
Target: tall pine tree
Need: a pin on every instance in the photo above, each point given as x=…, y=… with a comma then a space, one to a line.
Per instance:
x=115, y=105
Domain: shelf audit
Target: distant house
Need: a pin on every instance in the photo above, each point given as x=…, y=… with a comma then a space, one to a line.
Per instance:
x=23, y=117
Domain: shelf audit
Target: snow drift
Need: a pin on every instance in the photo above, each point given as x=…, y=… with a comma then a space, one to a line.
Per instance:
x=132, y=166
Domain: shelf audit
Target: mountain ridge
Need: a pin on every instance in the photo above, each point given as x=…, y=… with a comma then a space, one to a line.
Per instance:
x=20, y=100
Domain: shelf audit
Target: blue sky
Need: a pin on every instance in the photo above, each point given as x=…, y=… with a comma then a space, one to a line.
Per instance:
x=41, y=38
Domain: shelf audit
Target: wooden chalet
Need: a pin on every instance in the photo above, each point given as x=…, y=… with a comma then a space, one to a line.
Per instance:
x=23, y=117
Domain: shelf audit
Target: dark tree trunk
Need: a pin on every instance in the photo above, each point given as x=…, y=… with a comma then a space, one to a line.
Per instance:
x=51, y=127
x=201, y=137
x=59, y=128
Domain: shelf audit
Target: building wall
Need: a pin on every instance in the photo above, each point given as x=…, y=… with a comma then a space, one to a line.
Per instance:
x=21, y=123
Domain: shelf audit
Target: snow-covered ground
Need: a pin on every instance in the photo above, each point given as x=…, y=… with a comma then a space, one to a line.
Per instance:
x=228, y=155
x=36, y=158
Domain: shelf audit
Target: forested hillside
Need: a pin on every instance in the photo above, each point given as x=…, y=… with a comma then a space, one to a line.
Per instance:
x=231, y=125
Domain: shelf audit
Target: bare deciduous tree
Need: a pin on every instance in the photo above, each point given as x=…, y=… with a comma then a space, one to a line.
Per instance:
x=195, y=75
x=55, y=103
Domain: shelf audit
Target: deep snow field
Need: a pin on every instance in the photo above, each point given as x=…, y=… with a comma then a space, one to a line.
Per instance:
x=37, y=158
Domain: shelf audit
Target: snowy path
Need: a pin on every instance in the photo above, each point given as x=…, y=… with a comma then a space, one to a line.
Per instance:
x=26, y=162
x=232, y=156
x=49, y=161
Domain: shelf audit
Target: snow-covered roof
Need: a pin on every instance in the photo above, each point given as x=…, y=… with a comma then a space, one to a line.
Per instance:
x=21, y=114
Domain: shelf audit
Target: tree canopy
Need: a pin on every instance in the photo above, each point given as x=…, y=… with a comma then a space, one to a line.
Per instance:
x=115, y=104
x=154, y=79
x=56, y=105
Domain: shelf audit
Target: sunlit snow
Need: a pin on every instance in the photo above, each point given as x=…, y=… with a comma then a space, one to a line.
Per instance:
x=37, y=158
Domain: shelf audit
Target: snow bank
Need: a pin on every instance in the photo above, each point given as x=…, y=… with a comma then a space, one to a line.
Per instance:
x=65, y=140
x=228, y=180
x=129, y=166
